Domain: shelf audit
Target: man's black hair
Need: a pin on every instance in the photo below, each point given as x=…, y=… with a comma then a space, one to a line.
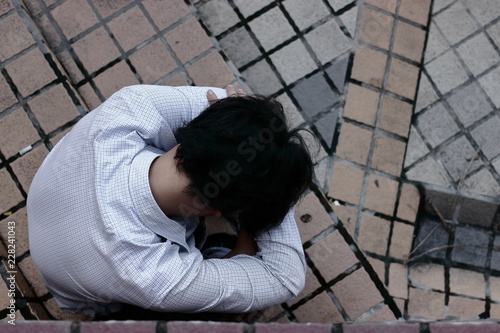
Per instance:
x=240, y=155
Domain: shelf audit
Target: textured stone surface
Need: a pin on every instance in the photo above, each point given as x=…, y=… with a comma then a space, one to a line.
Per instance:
x=314, y=95
x=328, y=41
x=293, y=61
x=471, y=246
x=469, y=104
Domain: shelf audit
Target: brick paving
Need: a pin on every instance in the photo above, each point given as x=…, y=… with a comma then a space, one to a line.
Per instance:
x=347, y=71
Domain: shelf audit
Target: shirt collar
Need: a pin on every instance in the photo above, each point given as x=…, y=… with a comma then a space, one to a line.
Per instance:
x=145, y=205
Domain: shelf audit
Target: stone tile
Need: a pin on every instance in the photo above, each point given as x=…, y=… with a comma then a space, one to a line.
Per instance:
x=487, y=137
x=458, y=158
x=106, y=8
x=211, y=70
x=21, y=228
x=115, y=78
x=484, y=11
x=320, y=309
x=462, y=308
x=495, y=288
x=495, y=311
x=348, y=216
x=478, y=62
x=409, y=41
x=26, y=166
x=30, y=72
x=409, y=202
x=444, y=201
x=293, y=62
x=59, y=136
x=446, y=72
x=145, y=61
x=7, y=97
x=53, y=37
x=417, y=11
x=131, y=28
x=304, y=14
x=17, y=128
x=240, y=47
x=311, y=285
x=381, y=194
x=14, y=37
x=403, y=79
x=31, y=274
x=339, y=4
x=338, y=72
x=495, y=256
x=494, y=32
x=426, y=304
x=361, y=104
x=455, y=23
x=5, y=7
x=401, y=240
x=70, y=23
x=416, y=147
x=53, y=108
x=176, y=80
x=355, y=300
x=369, y=66
x=313, y=144
x=70, y=67
x=398, y=280
x=218, y=15
x=471, y=246
x=314, y=95
x=395, y=116
x=476, y=212
x=496, y=164
x=383, y=315
x=328, y=41
x=326, y=126
x=354, y=143
x=293, y=116
x=436, y=43
x=89, y=96
x=350, y=19
x=311, y=217
x=331, y=256
x=165, y=13
x=388, y=155
x=188, y=40
x=387, y=5
x=374, y=234
x=379, y=267
x=376, y=28
x=248, y=8
x=432, y=246
x=468, y=283
x=469, y=104
x=440, y=4
x=490, y=84
x=262, y=79
x=428, y=171
x=427, y=275
x=96, y=40
x=482, y=183
x=436, y=125
x=271, y=28
x=426, y=93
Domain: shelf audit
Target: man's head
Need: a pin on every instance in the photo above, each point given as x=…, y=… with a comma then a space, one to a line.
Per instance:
x=240, y=156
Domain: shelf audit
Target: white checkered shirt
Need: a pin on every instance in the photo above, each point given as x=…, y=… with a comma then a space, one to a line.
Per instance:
x=97, y=235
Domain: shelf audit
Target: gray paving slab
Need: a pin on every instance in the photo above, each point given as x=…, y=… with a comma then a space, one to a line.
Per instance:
x=326, y=126
x=337, y=73
x=436, y=43
x=349, y=18
x=459, y=158
x=328, y=41
x=293, y=61
x=436, y=125
x=430, y=247
x=495, y=255
x=490, y=82
x=306, y=13
x=478, y=62
x=426, y=94
x=218, y=15
x=484, y=11
x=447, y=72
x=416, y=148
x=469, y=103
x=314, y=95
x=239, y=46
x=470, y=246
x=271, y=28
x=487, y=136
x=476, y=212
x=262, y=79
x=248, y=8
x=455, y=23
x=482, y=183
x=494, y=33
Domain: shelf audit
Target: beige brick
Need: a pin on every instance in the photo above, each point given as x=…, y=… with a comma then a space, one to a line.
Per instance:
x=416, y=11
x=381, y=194
x=31, y=274
x=21, y=229
x=402, y=236
x=376, y=28
x=70, y=23
x=11, y=195
x=408, y=202
x=409, y=41
x=374, y=234
x=320, y=309
x=211, y=70
x=115, y=78
x=175, y=81
x=346, y=183
x=96, y=40
x=388, y=155
x=465, y=308
x=388, y=5
x=495, y=311
x=147, y=65
x=7, y=97
x=60, y=135
x=188, y=40
x=18, y=132
x=427, y=275
x=354, y=143
x=89, y=96
x=468, y=283
x=395, y=116
x=402, y=79
x=270, y=313
x=348, y=216
x=331, y=255
x=379, y=267
x=369, y=66
x=495, y=288
x=398, y=280
x=14, y=36
x=355, y=299
x=26, y=166
x=311, y=285
x=131, y=28
x=311, y=217
x=165, y=13
x=4, y=297
x=425, y=304
x=361, y=104
x=383, y=315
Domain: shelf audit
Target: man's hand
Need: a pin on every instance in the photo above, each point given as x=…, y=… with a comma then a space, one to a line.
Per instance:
x=230, y=90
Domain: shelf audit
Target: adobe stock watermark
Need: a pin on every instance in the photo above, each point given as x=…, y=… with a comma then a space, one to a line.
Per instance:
x=248, y=148
x=11, y=266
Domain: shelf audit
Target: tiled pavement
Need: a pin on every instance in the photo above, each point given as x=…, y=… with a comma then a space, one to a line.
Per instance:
x=348, y=71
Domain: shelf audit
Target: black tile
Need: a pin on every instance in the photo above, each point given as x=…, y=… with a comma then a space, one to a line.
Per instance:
x=470, y=246
x=438, y=238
